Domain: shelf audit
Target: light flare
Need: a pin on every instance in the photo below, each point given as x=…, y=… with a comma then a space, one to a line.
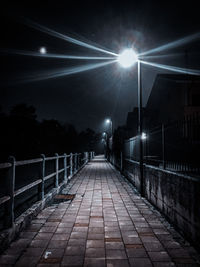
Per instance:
x=48, y=55
x=172, y=68
x=65, y=71
x=54, y=33
x=173, y=44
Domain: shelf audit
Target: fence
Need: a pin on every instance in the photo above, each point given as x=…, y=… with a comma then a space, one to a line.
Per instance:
x=174, y=146
x=15, y=191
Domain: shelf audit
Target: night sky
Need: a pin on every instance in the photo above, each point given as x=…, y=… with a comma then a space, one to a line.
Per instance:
x=86, y=99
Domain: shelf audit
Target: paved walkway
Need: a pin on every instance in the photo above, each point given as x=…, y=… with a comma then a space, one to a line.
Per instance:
x=106, y=224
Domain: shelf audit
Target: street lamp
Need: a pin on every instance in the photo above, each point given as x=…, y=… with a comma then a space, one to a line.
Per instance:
x=109, y=121
x=104, y=135
x=43, y=50
x=127, y=59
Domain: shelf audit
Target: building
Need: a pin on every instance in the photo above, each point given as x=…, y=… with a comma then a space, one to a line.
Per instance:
x=173, y=97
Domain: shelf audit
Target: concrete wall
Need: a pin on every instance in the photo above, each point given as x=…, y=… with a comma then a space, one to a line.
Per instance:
x=175, y=195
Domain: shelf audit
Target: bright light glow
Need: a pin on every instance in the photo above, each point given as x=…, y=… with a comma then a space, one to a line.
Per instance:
x=127, y=58
x=108, y=121
x=104, y=133
x=43, y=50
x=144, y=136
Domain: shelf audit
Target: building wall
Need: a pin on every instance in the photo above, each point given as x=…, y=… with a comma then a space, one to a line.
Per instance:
x=175, y=195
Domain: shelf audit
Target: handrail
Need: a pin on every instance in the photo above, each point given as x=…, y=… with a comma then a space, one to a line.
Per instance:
x=26, y=162
x=4, y=199
x=5, y=165
x=70, y=167
x=26, y=187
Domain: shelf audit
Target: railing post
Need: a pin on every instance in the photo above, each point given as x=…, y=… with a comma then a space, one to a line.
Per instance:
x=65, y=166
x=9, y=210
x=163, y=146
x=42, y=175
x=121, y=161
x=78, y=161
x=57, y=168
x=75, y=162
x=71, y=164
x=84, y=157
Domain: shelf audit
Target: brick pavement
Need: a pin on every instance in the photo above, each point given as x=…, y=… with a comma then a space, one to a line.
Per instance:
x=106, y=224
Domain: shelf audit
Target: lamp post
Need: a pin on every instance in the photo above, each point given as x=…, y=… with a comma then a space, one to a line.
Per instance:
x=127, y=59
x=109, y=121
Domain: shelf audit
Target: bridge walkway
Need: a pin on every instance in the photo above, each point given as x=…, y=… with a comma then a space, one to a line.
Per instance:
x=106, y=224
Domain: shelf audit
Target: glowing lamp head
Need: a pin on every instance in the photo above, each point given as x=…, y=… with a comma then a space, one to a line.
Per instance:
x=127, y=58
x=108, y=121
x=43, y=50
x=144, y=136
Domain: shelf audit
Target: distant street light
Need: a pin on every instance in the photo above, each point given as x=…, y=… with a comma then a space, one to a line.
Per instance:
x=104, y=134
x=127, y=59
x=43, y=50
x=109, y=121
x=144, y=136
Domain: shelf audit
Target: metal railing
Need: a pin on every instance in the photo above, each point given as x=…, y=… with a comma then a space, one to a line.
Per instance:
x=70, y=165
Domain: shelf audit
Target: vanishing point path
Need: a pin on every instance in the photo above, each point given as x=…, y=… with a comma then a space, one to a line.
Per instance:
x=106, y=224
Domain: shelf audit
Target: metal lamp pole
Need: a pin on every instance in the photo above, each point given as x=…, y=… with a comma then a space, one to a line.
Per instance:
x=111, y=125
x=140, y=128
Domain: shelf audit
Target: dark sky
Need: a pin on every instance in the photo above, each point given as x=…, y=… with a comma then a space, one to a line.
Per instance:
x=87, y=98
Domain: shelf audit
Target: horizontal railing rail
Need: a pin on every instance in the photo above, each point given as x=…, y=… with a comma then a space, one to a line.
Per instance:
x=70, y=165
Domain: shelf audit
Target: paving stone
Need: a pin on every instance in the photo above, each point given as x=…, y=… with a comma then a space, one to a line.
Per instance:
x=57, y=244
x=38, y=243
x=48, y=229
x=136, y=253
x=131, y=240
x=63, y=230
x=77, y=242
x=95, y=253
x=115, y=234
x=114, y=245
x=92, y=236
x=154, y=246
x=115, y=254
x=117, y=263
x=95, y=244
x=42, y=236
x=140, y=262
x=72, y=261
x=97, y=262
x=96, y=230
x=75, y=250
x=60, y=237
x=159, y=256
